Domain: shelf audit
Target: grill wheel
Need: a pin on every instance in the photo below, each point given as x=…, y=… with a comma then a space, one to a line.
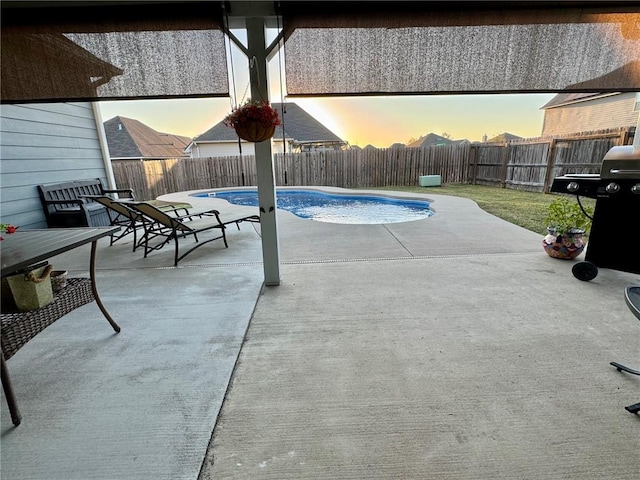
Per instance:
x=585, y=271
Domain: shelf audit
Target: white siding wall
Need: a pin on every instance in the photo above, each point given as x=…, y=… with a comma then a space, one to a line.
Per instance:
x=229, y=149
x=599, y=114
x=44, y=143
x=222, y=149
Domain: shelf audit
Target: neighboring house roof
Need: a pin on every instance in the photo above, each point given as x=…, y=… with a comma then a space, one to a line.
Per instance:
x=568, y=98
x=299, y=126
x=397, y=145
x=429, y=140
x=504, y=137
x=129, y=138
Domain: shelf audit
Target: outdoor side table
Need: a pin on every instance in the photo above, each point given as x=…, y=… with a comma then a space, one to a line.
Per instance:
x=632, y=298
x=27, y=247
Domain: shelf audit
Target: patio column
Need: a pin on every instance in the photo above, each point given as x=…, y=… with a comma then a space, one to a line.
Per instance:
x=256, y=46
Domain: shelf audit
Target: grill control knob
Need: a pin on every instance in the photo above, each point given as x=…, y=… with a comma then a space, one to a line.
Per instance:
x=613, y=188
x=636, y=188
x=573, y=187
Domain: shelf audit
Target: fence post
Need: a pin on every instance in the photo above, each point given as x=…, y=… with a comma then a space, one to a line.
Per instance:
x=505, y=166
x=624, y=137
x=550, y=165
x=473, y=163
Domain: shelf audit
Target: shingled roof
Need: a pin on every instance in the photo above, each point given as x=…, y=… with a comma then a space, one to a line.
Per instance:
x=299, y=126
x=504, y=137
x=567, y=98
x=128, y=138
x=429, y=140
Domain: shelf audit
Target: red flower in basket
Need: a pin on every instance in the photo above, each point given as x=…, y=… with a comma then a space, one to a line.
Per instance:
x=7, y=228
x=253, y=121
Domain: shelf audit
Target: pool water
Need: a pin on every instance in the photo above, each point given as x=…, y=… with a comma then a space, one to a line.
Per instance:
x=335, y=208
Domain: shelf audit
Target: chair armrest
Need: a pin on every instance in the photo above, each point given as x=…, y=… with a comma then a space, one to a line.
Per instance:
x=128, y=191
x=174, y=209
x=204, y=213
x=76, y=201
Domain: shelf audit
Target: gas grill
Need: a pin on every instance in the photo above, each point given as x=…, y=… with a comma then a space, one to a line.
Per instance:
x=613, y=241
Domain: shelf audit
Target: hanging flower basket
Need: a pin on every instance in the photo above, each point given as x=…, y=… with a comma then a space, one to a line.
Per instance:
x=254, y=131
x=253, y=121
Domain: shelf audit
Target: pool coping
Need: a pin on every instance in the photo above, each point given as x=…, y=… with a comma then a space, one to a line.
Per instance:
x=189, y=196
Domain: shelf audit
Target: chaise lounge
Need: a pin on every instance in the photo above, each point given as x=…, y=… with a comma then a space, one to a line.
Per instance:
x=122, y=215
x=158, y=223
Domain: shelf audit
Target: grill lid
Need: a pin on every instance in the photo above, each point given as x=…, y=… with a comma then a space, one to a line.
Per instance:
x=621, y=162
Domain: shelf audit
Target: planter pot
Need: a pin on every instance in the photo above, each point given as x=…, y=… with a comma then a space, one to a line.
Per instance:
x=254, y=131
x=31, y=290
x=58, y=280
x=567, y=246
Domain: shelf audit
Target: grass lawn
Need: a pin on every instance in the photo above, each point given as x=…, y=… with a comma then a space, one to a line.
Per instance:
x=526, y=209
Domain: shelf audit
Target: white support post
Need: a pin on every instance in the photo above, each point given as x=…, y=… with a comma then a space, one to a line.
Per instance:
x=256, y=46
x=104, y=147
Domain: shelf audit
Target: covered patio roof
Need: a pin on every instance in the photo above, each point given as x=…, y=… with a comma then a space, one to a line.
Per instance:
x=168, y=49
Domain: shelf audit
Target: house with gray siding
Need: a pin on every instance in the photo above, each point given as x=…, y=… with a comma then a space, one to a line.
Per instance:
x=46, y=143
x=585, y=112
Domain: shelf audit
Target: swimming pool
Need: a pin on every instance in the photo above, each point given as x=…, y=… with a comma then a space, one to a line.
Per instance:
x=335, y=208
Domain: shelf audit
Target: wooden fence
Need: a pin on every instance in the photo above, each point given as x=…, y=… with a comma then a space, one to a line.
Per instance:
x=530, y=165
x=533, y=165
x=349, y=169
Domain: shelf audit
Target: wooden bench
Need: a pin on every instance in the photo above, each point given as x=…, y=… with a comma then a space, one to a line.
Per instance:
x=64, y=204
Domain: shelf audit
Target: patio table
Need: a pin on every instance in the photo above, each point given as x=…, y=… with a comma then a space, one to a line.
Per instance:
x=27, y=247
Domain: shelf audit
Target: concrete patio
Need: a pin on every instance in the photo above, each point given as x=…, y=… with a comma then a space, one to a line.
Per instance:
x=450, y=347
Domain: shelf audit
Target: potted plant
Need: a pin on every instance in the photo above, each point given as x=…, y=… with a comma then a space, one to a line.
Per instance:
x=567, y=224
x=253, y=121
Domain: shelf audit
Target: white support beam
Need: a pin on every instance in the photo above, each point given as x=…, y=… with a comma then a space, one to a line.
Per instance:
x=256, y=47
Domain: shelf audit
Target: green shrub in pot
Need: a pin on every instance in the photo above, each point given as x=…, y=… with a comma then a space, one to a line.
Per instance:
x=566, y=216
x=567, y=223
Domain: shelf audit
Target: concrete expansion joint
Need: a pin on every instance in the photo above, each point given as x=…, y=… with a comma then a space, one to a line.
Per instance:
x=321, y=261
x=397, y=240
x=387, y=259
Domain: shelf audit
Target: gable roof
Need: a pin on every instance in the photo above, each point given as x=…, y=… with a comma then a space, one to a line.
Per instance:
x=429, y=140
x=129, y=138
x=504, y=137
x=298, y=124
x=568, y=98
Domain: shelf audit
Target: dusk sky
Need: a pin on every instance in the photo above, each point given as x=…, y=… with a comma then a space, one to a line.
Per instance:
x=379, y=121
x=362, y=121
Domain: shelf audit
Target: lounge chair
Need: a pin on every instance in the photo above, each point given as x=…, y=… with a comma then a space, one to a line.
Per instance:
x=158, y=223
x=122, y=215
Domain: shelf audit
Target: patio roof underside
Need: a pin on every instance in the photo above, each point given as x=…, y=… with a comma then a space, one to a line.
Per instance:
x=177, y=49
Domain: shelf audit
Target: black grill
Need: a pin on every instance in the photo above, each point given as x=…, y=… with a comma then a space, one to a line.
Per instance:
x=613, y=241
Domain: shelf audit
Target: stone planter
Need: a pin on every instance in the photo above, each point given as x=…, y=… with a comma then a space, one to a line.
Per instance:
x=566, y=246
